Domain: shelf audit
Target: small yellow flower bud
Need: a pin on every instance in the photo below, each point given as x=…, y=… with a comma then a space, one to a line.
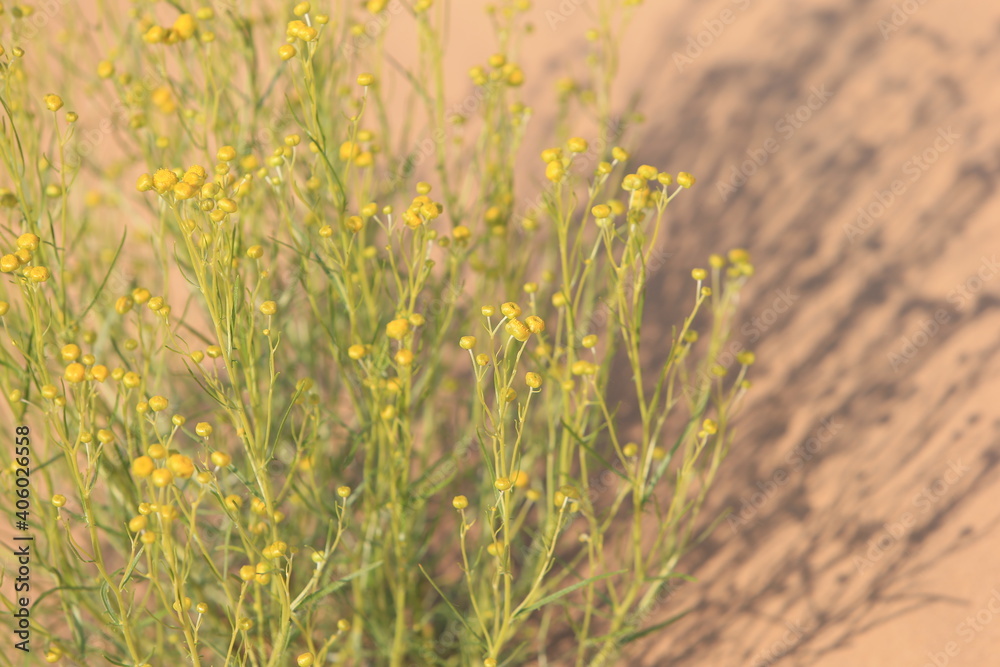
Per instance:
x=533, y=380
x=397, y=329
x=502, y=483
x=685, y=180
x=164, y=180
x=221, y=459
x=366, y=80
x=58, y=500
x=460, y=502
x=343, y=491
x=518, y=330
x=53, y=102
x=746, y=358
x=158, y=403
x=180, y=465
x=467, y=342
x=535, y=323
x=305, y=659
x=554, y=171
x=143, y=466
x=38, y=274
x=162, y=477
x=601, y=211
x=9, y=263
x=28, y=241
x=75, y=373
x=510, y=309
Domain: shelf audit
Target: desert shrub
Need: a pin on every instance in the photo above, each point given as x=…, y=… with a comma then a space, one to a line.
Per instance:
x=338, y=380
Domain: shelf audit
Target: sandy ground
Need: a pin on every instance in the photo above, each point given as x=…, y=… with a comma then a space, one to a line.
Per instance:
x=849, y=146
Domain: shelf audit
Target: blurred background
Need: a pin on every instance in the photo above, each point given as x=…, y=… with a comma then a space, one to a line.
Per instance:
x=852, y=148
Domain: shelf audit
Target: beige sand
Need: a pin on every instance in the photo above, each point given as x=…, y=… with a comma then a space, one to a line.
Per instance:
x=871, y=434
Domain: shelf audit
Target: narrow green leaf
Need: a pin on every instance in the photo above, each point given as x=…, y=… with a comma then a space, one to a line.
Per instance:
x=566, y=591
x=459, y=615
x=338, y=584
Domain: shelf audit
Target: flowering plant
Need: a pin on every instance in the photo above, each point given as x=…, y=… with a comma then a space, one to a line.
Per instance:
x=303, y=397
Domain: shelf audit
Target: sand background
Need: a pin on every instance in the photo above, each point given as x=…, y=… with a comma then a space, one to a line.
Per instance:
x=866, y=459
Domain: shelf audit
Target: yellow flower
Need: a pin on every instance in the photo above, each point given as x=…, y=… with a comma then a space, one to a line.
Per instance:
x=38, y=274
x=164, y=180
x=75, y=373
x=53, y=102
x=397, y=329
x=518, y=330
x=28, y=241
x=535, y=323
x=221, y=459
x=162, y=477
x=185, y=26
x=143, y=466
x=180, y=465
